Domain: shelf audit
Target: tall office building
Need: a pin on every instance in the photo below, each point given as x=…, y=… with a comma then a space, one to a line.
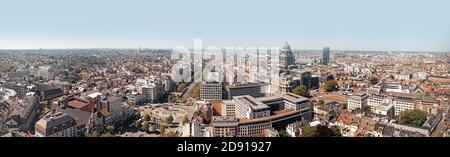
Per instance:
x=326, y=55
x=211, y=91
x=150, y=92
x=286, y=57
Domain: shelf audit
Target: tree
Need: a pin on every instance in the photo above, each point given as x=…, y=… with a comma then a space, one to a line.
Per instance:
x=169, y=119
x=330, y=86
x=138, y=124
x=110, y=129
x=344, y=106
x=145, y=126
x=171, y=134
x=146, y=117
x=194, y=92
x=366, y=108
x=180, y=86
x=413, y=117
x=107, y=134
x=162, y=129
x=309, y=131
x=321, y=102
x=336, y=131
x=172, y=98
x=185, y=120
x=92, y=134
x=301, y=90
x=283, y=133
x=373, y=80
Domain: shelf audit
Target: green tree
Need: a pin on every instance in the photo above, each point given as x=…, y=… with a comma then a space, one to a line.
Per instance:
x=185, y=120
x=145, y=126
x=146, y=117
x=366, y=109
x=373, y=80
x=283, y=133
x=344, y=106
x=321, y=102
x=138, y=124
x=180, y=86
x=169, y=119
x=92, y=134
x=110, y=128
x=172, y=98
x=336, y=131
x=107, y=134
x=194, y=92
x=309, y=131
x=413, y=117
x=330, y=86
x=162, y=129
x=301, y=90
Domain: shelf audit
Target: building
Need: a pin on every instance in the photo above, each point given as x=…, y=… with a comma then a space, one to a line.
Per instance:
x=24, y=114
x=376, y=100
x=357, y=101
x=47, y=72
x=50, y=94
x=248, y=107
x=211, y=91
x=224, y=126
x=228, y=108
x=286, y=57
x=295, y=129
x=405, y=76
x=326, y=55
x=252, y=89
x=113, y=110
x=394, y=87
x=255, y=115
x=193, y=129
x=20, y=89
x=428, y=104
x=149, y=92
x=385, y=109
x=58, y=124
x=402, y=102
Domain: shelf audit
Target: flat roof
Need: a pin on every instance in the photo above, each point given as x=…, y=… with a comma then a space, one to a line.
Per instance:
x=276, y=115
x=291, y=97
x=294, y=98
x=242, y=85
x=250, y=102
x=75, y=103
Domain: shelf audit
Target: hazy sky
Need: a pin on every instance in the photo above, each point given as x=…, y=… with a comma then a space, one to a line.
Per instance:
x=306, y=24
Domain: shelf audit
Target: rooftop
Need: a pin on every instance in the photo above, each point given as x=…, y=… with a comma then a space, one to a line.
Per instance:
x=242, y=85
x=250, y=102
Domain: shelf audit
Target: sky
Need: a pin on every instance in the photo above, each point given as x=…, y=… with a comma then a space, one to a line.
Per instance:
x=398, y=25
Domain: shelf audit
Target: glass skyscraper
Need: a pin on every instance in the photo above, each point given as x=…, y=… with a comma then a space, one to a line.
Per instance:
x=326, y=55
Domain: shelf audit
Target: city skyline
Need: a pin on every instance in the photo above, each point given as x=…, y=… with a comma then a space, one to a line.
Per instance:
x=344, y=25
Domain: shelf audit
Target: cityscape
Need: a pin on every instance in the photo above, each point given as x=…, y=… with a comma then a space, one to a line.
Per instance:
x=248, y=70
x=202, y=92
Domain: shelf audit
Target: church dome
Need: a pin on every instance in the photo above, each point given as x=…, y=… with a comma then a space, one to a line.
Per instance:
x=286, y=46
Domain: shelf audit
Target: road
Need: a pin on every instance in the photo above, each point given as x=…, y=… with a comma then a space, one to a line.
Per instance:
x=439, y=131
